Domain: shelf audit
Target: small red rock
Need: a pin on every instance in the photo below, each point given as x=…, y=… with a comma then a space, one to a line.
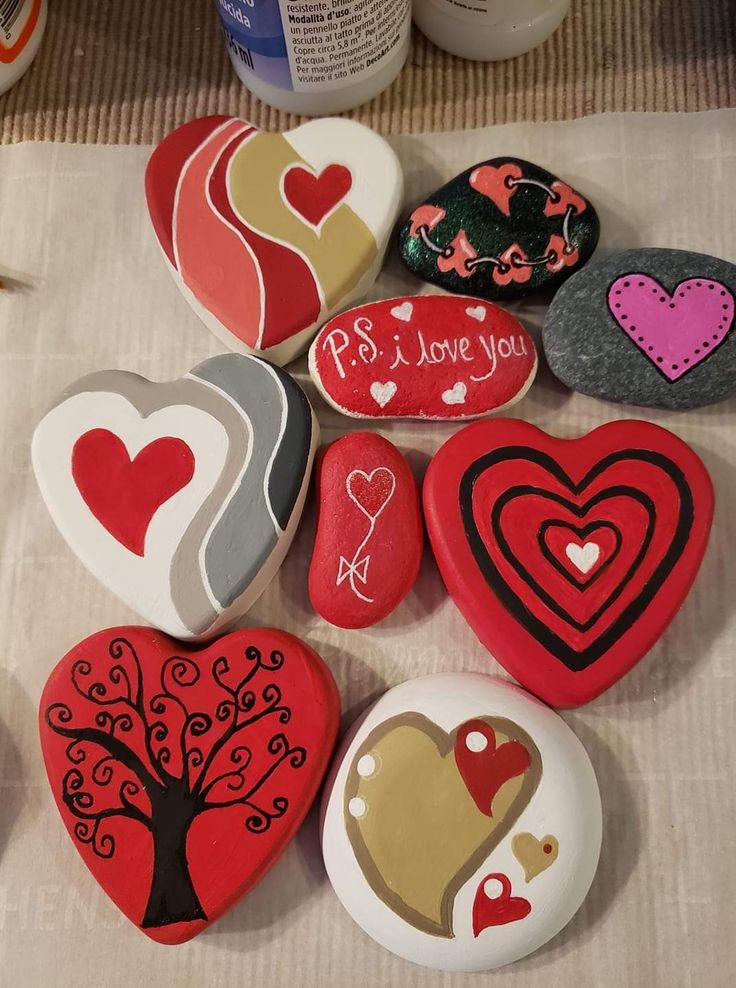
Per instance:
x=369, y=538
x=423, y=357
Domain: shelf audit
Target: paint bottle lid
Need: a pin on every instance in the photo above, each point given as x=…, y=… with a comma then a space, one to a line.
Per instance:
x=489, y=30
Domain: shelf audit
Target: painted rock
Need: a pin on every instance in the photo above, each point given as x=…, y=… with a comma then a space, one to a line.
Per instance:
x=182, y=498
x=568, y=558
x=461, y=822
x=501, y=230
x=370, y=537
x=647, y=327
x=423, y=357
x=181, y=775
x=268, y=235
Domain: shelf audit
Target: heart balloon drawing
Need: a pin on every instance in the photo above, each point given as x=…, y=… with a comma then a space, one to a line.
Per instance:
x=568, y=558
x=475, y=780
x=182, y=498
x=181, y=774
x=675, y=332
x=371, y=492
x=369, y=539
x=268, y=235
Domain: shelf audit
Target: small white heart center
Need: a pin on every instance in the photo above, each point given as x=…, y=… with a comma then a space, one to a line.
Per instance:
x=477, y=312
x=583, y=557
x=403, y=312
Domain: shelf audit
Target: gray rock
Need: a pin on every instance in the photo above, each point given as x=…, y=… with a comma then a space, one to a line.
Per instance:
x=651, y=327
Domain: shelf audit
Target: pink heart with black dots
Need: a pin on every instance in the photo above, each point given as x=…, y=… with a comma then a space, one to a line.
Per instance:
x=678, y=331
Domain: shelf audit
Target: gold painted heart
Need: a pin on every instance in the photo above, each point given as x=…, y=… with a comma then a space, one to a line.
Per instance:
x=424, y=808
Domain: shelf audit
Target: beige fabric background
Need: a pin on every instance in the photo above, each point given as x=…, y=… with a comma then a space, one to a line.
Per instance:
x=95, y=293
x=128, y=71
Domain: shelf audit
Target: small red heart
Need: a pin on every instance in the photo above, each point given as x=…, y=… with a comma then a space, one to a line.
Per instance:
x=562, y=198
x=125, y=494
x=485, y=767
x=371, y=491
x=315, y=196
x=459, y=252
x=495, y=183
x=497, y=910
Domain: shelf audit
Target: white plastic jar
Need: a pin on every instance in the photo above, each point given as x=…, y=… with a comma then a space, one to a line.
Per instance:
x=489, y=30
x=22, y=24
x=316, y=57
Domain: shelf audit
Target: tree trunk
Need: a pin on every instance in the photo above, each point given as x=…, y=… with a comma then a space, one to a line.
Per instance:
x=172, y=898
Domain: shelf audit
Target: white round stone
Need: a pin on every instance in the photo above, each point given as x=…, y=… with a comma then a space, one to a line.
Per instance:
x=438, y=795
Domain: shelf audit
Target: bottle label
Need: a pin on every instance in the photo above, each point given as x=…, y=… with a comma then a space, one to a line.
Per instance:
x=18, y=18
x=313, y=45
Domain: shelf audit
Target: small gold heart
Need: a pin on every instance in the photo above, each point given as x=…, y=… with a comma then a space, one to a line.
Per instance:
x=535, y=856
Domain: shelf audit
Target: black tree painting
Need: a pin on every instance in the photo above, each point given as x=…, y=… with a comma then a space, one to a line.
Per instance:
x=162, y=743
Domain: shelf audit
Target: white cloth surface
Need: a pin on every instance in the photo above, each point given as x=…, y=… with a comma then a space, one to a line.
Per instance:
x=92, y=292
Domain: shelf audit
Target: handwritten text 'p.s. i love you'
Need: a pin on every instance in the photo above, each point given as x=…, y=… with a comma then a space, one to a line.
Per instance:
x=483, y=353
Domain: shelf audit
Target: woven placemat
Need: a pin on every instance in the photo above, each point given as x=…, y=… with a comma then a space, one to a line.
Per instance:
x=128, y=71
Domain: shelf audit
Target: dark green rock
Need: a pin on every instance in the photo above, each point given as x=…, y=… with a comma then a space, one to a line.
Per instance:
x=502, y=230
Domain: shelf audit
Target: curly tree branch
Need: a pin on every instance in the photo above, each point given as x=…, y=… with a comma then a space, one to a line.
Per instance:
x=241, y=701
x=80, y=803
x=279, y=746
x=58, y=717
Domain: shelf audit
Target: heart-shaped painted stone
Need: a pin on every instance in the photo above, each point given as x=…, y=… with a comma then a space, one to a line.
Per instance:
x=428, y=357
x=370, y=537
x=535, y=856
x=649, y=327
x=501, y=230
x=421, y=810
x=500, y=499
x=181, y=775
x=182, y=498
x=268, y=235
x=676, y=332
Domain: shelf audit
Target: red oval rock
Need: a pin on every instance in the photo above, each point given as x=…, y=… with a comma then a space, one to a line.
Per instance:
x=423, y=357
x=369, y=538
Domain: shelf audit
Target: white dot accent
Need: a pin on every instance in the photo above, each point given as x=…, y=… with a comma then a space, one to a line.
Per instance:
x=475, y=741
x=366, y=766
x=357, y=807
x=493, y=888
